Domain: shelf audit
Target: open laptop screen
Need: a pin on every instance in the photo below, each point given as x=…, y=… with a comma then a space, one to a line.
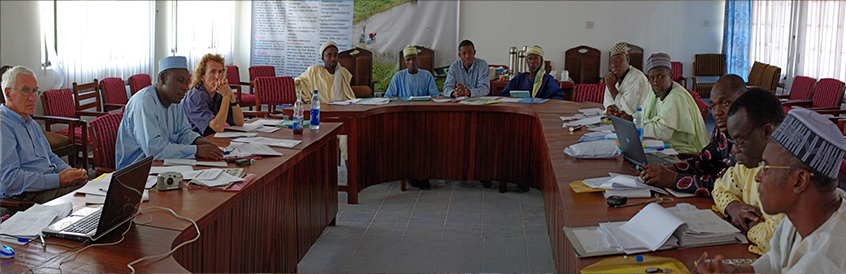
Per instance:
x=124, y=196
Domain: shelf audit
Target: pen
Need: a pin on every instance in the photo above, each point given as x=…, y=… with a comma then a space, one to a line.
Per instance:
x=104, y=190
x=43, y=243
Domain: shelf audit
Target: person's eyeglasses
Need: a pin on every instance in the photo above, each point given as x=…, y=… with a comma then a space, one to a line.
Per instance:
x=739, y=141
x=28, y=92
x=658, y=78
x=763, y=166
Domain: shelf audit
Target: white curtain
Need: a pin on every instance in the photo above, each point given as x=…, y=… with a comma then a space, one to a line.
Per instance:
x=99, y=39
x=204, y=27
x=770, y=35
x=821, y=35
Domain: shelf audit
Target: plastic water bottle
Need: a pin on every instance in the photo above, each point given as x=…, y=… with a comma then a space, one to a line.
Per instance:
x=298, y=116
x=638, y=121
x=315, y=112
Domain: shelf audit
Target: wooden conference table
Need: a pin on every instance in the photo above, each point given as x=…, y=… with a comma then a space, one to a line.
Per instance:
x=510, y=142
x=268, y=226
x=253, y=230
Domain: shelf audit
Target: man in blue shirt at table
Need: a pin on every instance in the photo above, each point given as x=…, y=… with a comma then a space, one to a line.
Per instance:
x=411, y=81
x=29, y=169
x=468, y=76
x=536, y=81
x=155, y=124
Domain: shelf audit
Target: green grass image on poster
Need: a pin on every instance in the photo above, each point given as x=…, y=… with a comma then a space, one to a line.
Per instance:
x=362, y=9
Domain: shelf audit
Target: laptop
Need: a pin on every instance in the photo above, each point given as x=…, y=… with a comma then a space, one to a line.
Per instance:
x=633, y=148
x=122, y=203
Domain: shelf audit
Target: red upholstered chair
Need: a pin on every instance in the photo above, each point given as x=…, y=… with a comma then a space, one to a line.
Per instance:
x=590, y=93
x=139, y=81
x=261, y=71
x=114, y=93
x=102, y=133
x=802, y=89
x=703, y=107
x=59, y=103
x=678, y=69
x=827, y=95
x=234, y=78
x=274, y=91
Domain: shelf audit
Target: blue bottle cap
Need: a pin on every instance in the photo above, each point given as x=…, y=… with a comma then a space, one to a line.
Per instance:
x=639, y=258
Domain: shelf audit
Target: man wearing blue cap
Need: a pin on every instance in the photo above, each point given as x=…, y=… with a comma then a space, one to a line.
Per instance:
x=798, y=177
x=155, y=124
x=669, y=112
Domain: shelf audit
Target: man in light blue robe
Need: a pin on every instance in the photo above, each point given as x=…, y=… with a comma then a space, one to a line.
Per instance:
x=155, y=124
x=411, y=81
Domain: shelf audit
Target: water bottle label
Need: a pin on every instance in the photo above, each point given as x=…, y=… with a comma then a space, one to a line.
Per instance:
x=640, y=134
x=315, y=117
x=298, y=123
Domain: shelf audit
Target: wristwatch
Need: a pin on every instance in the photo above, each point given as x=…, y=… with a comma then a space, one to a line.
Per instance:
x=234, y=104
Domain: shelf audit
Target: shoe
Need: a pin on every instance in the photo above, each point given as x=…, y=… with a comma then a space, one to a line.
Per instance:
x=486, y=184
x=424, y=184
x=522, y=188
x=421, y=184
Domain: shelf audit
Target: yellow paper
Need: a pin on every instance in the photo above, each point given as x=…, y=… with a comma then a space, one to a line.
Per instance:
x=627, y=264
x=581, y=187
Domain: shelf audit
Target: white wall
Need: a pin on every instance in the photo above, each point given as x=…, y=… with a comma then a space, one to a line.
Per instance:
x=674, y=27
x=21, y=40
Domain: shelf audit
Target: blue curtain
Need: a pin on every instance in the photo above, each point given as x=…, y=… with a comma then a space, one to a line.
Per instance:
x=736, y=37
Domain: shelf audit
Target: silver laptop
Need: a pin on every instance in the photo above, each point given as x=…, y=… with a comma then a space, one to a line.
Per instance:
x=122, y=203
x=633, y=148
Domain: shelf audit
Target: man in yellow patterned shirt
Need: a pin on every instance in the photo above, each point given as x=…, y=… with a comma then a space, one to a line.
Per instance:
x=752, y=119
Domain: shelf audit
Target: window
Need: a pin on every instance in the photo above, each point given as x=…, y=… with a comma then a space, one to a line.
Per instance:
x=98, y=39
x=802, y=37
x=204, y=27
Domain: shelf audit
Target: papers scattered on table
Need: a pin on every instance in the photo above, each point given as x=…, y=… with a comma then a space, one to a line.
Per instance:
x=234, y=134
x=192, y=162
x=597, y=136
x=629, y=193
x=269, y=122
x=478, y=101
x=267, y=129
x=532, y=101
x=443, y=100
x=591, y=112
x=417, y=98
x=605, y=149
x=269, y=141
x=374, y=101
x=246, y=127
x=490, y=97
x=583, y=122
x=28, y=224
x=509, y=99
x=620, y=181
x=248, y=149
x=214, y=177
x=345, y=103
x=520, y=94
x=163, y=169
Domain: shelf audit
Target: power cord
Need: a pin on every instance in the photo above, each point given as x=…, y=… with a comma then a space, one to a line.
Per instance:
x=129, y=265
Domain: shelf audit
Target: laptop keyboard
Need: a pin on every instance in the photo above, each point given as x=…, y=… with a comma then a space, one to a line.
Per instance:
x=85, y=225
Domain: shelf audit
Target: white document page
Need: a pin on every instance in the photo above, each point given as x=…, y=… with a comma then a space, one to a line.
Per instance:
x=234, y=134
x=652, y=226
x=163, y=169
x=30, y=222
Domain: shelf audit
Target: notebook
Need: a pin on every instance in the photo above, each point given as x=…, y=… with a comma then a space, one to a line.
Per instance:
x=122, y=202
x=633, y=148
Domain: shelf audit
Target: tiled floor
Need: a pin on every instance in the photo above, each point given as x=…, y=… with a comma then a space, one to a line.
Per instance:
x=453, y=227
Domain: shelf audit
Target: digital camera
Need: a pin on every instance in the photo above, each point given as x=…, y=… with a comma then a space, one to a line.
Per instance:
x=169, y=181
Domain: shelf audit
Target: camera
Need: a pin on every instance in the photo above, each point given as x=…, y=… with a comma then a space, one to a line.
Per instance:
x=169, y=181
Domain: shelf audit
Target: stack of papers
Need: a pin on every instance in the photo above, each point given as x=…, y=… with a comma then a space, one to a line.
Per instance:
x=269, y=141
x=345, y=103
x=234, y=134
x=269, y=122
x=591, y=112
x=163, y=169
x=445, y=100
x=655, y=227
x=583, y=122
x=246, y=127
x=478, y=101
x=192, y=162
x=95, y=191
x=256, y=126
x=248, y=149
x=214, y=178
x=418, y=98
x=28, y=224
x=620, y=182
x=374, y=101
x=510, y=100
x=532, y=101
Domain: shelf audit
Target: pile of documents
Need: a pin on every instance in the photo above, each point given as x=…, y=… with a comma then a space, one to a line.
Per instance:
x=236, y=149
x=623, y=183
x=259, y=125
x=95, y=190
x=27, y=225
x=655, y=227
x=213, y=178
x=269, y=141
